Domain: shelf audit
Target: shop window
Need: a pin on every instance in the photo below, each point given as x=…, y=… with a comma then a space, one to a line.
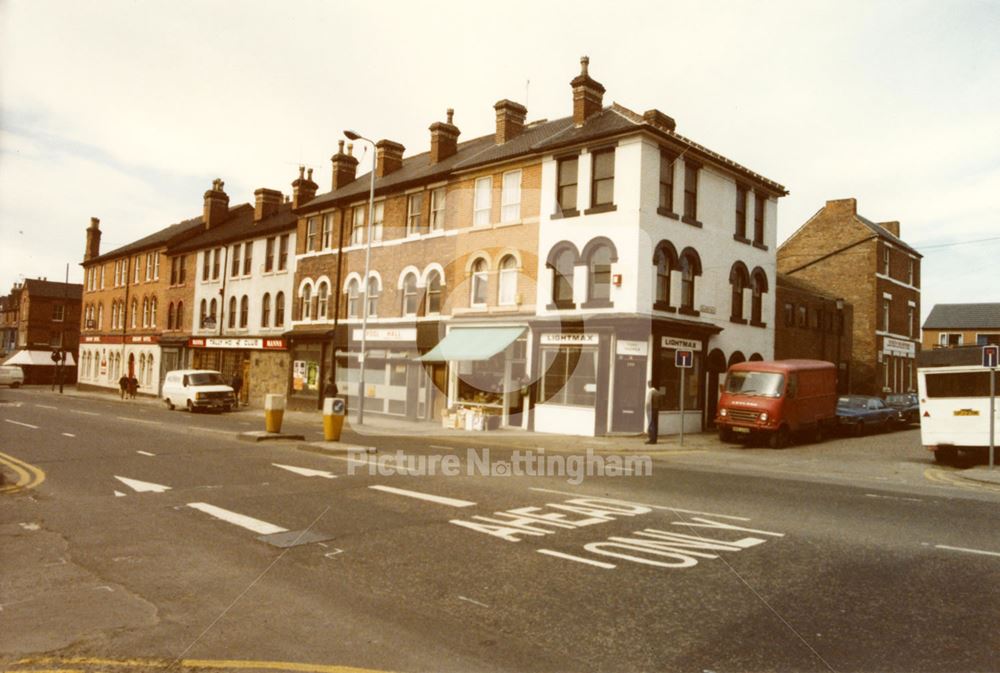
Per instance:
x=482, y=382
x=508, y=281
x=279, y=309
x=265, y=310
x=667, y=380
x=433, y=293
x=570, y=376
x=480, y=283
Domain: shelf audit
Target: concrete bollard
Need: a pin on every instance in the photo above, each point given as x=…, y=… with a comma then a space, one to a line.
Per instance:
x=334, y=410
x=274, y=412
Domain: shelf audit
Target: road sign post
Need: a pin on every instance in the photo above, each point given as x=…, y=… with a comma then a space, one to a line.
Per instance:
x=683, y=360
x=991, y=358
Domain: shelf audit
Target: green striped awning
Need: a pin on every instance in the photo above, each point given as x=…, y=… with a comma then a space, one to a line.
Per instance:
x=472, y=344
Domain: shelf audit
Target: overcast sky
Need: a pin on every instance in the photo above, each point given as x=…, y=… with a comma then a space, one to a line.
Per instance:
x=127, y=110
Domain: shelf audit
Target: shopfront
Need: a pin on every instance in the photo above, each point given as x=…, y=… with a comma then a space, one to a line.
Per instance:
x=262, y=363
x=572, y=375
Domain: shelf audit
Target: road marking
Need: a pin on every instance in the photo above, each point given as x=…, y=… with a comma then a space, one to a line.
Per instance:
x=443, y=448
x=306, y=472
x=26, y=425
x=231, y=664
x=578, y=559
x=474, y=602
x=663, y=507
x=138, y=420
x=86, y=413
x=119, y=494
x=376, y=464
x=441, y=500
x=146, y=453
x=142, y=486
x=46, y=406
x=940, y=476
x=965, y=549
x=891, y=497
x=28, y=476
x=68, y=434
x=198, y=427
x=256, y=525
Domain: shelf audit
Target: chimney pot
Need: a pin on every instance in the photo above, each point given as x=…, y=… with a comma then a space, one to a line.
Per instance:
x=350, y=149
x=451, y=114
x=345, y=166
x=303, y=189
x=510, y=120
x=444, y=138
x=93, y=248
x=216, y=204
x=388, y=157
x=588, y=94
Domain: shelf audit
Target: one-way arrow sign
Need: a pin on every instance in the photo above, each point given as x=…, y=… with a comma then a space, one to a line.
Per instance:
x=142, y=486
x=306, y=472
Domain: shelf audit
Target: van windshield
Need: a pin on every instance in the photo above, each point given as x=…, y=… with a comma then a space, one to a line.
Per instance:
x=205, y=379
x=766, y=384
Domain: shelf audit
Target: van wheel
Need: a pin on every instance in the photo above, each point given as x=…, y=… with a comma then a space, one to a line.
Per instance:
x=190, y=406
x=779, y=438
x=725, y=435
x=945, y=455
x=170, y=405
x=818, y=434
x=15, y=384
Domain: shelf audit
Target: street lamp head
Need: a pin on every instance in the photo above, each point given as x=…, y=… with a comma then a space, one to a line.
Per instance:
x=352, y=135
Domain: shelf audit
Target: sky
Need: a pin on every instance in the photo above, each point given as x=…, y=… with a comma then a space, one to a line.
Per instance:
x=127, y=110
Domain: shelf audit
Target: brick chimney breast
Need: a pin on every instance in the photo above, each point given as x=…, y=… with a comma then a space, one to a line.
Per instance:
x=657, y=119
x=93, y=240
x=267, y=202
x=216, y=204
x=444, y=139
x=388, y=157
x=303, y=189
x=843, y=207
x=510, y=120
x=891, y=227
x=345, y=166
x=588, y=94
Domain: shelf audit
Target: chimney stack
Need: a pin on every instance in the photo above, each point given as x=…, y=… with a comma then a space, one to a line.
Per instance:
x=659, y=120
x=345, y=166
x=267, y=203
x=303, y=189
x=842, y=207
x=93, y=240
x=510, y=120
x=891, y=227
x=388, y=157
x=588, y=95
x=444, y=139
x=216, y=204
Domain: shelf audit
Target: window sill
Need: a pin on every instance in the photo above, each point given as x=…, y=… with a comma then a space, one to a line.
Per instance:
x=693, y=222
x=572, y=212
x=759, y=245
x=686, y=310
x=663, y=306
x=515, y=223
x=741, y=239
x=738, y=321
x=598, y=303
x=757, y=323
x=601, y=208
x=668, y=213
x=560, y=306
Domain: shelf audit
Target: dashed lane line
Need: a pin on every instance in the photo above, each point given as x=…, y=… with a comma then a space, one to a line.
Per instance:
x=145, y=453
x=46, y=406
x=85, y=413
x=68, y=434
x=138, y=420
x=441, y=500
x=25, y=425
x=967, y=550
x=248, y=522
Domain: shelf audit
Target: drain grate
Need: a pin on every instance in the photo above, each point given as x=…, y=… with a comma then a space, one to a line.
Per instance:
x=294, y=538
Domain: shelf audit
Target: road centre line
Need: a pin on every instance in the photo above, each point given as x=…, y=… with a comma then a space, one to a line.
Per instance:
x=198, y=427
x=46, y=406
x=474, y=602
x=26, y=425
x=578, y=559
x=441, y=500
x=967, y=550
x=644, y=504
x=68, y=434
x=146, y=453
x=138, y=420
x=248, y=522
x=891, y=497
x=375, y=463
x=86, y=413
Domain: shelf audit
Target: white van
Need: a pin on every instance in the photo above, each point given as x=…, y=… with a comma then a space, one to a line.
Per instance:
x=11, y=375
x=197, y=389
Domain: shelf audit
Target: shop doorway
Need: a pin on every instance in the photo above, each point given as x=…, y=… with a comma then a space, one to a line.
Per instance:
x=439, y=390
x=715, y=367
x=629, y=412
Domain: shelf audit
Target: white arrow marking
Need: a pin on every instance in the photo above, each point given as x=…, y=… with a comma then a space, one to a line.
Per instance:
x=306, y=472
x=142, y=486
x=119, y=494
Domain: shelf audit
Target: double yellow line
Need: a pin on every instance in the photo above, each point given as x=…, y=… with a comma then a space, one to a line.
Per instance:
x=28, y=476
x=181, y=665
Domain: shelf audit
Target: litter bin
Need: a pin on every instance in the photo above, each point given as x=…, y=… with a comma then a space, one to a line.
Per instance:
x=334, y=412
x=274, y=412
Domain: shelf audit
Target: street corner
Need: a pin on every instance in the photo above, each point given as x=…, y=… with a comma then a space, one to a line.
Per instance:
x=17, y=476
x=98, y=664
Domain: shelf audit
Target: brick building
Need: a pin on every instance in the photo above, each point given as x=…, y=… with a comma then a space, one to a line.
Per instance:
x=878, y=274
x=953, y=325
x=10, y=306
x=812, y=324
x=42, y=316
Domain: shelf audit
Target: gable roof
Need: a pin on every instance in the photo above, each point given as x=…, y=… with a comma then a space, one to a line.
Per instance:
x=53, y=290
x=964, y=316
x=156, y=239
x=239, y=226
x=885, y=233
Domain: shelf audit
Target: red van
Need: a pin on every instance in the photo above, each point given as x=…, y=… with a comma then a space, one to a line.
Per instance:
x=776, y=399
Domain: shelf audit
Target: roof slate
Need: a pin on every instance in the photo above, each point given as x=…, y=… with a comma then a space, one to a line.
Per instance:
x=156, y=239
x=964, y=316
x=52, y=289
x=240, y=226
x=885, y=233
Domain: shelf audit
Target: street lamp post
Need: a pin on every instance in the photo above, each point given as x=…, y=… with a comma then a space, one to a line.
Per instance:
x=351, y=135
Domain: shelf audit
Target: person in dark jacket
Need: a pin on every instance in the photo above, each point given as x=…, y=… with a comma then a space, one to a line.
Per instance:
x=330, y=388
x=237, y=385
x=123, y=385
x=653, y=411
x=133, y=386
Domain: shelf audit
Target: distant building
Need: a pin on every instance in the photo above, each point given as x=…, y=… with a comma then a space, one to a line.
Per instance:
x=812, y=324
x=10, y=306
x=37, y=318
x=873, y=269
x=952, y=325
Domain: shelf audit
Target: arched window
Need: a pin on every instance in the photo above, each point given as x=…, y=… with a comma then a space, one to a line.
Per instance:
x=149, y=371
x=665, y=261
x=562, y=277
x=740, y=280
x=279, y=309
x=232, y=312
x=142, y=368
x=323, y=295
x=480, y=283
x=135, y=310
x=599, y=260
x=170, y=315
x=152, y=312
x=244, y=312
x=179, y=317
x=371, y=296
x=410, y=294
x=433, y=292
x=305, y=303
x=100, y=316
x=507, y=294
x=145, y=312
x=203, y=314
x=353, y=298
x=690, y=265
x=213, y=310
x=758, y=285
x=265, y=310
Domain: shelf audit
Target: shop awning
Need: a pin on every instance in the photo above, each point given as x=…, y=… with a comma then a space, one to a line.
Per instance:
x=26, y=357
x=472, y=344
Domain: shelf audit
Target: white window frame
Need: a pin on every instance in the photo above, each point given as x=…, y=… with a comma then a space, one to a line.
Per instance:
x=438, y=199
x=507, y=290
x=156, y=266
x=413, y=216
x=510, y=197
x=479, y=279
x=410, y=295
x=482, y=201
x=378, y=221
x=372, y=294
x=326, y=238
x=358, y=225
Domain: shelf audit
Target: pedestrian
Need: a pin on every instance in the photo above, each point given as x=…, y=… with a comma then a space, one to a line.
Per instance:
x=237, y=385
x=653, y=412
x=133, y=386
x=123, y=384
x=330, y=388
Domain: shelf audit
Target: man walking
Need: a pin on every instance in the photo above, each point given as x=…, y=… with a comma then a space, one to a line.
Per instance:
x=123, y=384
x=237, y=385
x=653, y=412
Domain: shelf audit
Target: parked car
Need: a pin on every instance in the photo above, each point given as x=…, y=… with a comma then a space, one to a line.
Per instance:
x=11, y=375
x=197, y=389
x=776, y=399
x=860, y=413
x=907, y=406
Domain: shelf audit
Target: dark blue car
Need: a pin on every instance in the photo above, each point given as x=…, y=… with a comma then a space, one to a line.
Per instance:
x=858, y=414
x=907, y=407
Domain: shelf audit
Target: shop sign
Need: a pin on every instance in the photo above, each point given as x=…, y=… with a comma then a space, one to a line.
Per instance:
x=386, y=334
x=899, y=347
x=244, y=344
x=571, y=339
x=677, y=342
x=143, y=339
x=625, y=347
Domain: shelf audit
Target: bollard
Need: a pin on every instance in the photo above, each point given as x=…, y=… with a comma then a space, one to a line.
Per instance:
x=334, y=410
x=274, y=412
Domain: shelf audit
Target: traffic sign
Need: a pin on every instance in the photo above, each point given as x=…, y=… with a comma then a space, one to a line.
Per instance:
x=684, y=359
x=991, y=356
